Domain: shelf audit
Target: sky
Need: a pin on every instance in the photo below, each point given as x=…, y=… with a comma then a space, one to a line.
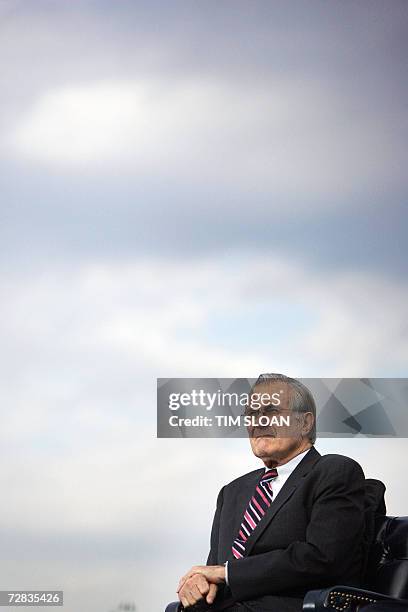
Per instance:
x=187, y=189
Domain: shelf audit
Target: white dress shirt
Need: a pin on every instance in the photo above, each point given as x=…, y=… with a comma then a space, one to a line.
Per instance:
x=284, y=471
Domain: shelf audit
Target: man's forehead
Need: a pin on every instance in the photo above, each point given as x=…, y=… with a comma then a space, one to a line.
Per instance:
x=274, y=389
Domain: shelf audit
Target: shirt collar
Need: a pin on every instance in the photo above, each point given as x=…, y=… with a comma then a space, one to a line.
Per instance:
x=287, y=468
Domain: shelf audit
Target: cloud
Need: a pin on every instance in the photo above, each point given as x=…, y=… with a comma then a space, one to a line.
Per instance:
x=210, y=314
x=283, y=137
x=142, y=129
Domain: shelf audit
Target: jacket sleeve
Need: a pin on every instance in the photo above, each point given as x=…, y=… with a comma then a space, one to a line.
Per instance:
x=333, y=536
x=213, y=555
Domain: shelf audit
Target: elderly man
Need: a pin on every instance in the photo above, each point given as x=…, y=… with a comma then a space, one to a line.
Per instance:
x=296, y=524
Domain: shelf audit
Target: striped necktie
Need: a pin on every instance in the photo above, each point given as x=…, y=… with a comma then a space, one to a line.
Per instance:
x=257, y=507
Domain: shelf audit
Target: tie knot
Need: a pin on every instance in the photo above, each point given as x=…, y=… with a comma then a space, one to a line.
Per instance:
x=269, y=475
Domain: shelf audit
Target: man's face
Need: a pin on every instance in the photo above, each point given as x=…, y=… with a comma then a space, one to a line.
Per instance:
x=270, y=442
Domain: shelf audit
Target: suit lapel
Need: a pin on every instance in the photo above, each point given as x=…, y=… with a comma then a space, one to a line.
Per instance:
x=283, y=496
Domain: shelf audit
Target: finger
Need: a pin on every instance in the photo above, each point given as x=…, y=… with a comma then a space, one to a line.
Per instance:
x=212, y=592
x=191, y=587
x=191, y=597
x=202, y=570
x=195, y=592
x=196, y=569
x=202, y=584
x=185, y=598
x=182, y=581
x=184, y=578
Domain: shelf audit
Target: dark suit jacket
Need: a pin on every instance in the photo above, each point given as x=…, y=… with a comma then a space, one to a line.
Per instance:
x=310, y=537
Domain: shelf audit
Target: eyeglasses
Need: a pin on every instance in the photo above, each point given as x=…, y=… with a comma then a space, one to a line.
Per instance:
x=267, y=411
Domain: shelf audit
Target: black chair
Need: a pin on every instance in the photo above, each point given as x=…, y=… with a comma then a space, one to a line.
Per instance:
x=386, y=573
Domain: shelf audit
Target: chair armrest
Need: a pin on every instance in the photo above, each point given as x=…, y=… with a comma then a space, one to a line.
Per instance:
x=174, y=606
x=344, y=598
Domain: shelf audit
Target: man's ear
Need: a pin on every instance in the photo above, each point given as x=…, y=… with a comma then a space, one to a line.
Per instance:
x=308, y=422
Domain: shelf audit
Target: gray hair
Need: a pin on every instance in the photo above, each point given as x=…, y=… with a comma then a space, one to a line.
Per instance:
x=301, y=399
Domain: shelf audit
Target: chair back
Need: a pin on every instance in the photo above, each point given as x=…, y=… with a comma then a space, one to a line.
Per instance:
x=387, y=569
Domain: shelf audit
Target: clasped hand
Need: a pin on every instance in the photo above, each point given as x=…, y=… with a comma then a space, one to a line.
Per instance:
x=200, y=582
